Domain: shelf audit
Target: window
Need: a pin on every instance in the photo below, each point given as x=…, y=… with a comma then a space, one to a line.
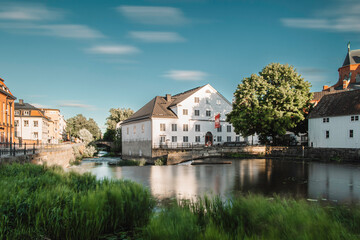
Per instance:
x=219, y=138
x=208, y=113
x=174, y=138
x=27, y=113
x=162, y=127
x=351, y=133
x=36, y=135
x=228, y=139
x=36, y=123
x=142, y=128
x=162, y=139
x=237, y=139
x=197, y=127
x=16, y=122
x=228, y=128
x=185, y=112
x=354, y=118
x=26, y=123
x=197, y=112
x=174, y=127
x=185, y=127
x=197, y=139
x=185, y=139
x=196, y=100
x=218, y=101
x=325, y=120
x=17, y=112
x=208, y=91
x=127, y=131
x=219, y=129
x=327, y=134
x=134, y=130
x=207, y=101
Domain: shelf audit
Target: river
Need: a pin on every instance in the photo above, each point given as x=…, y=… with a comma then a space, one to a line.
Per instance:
x=313, y=180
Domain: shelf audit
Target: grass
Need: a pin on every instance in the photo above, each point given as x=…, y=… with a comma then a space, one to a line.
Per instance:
x=160, y=161
x=39, y=202
x=254, y=217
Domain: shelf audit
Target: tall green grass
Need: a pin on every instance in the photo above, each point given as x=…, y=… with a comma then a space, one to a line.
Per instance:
x=38, y=202
x=254, y=217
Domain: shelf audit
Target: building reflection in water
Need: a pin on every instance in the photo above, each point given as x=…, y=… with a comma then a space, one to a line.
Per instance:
x=260, y=176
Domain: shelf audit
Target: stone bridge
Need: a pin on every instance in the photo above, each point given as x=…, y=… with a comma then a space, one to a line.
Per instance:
x=107, y=144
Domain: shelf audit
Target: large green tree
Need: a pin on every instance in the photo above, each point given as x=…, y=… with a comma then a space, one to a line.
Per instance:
x=75, y=124
x=270, y=103
x=116, y=115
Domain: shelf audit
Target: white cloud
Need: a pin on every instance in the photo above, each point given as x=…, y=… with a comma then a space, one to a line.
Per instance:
x=38, y=105
x=335, y=18
x=154, y=15
x=58, y=30
x=74, y=104
x=27, y=12
x=185, y=75
x=157, y=36
x=114, y=49
x=71, y=31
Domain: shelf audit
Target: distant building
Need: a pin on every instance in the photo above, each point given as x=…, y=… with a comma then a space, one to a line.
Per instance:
x=180, y=120
x=6, y=113
x=334, y=122
x=31, y=124
x=56, y=126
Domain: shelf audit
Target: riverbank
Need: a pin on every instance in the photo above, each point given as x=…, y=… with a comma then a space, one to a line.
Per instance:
x=46, y=203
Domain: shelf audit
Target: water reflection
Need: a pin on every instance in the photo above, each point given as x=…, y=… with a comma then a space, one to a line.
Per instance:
x=264, y=176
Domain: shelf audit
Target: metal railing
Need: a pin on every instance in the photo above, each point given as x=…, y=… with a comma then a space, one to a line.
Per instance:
x=16, y=149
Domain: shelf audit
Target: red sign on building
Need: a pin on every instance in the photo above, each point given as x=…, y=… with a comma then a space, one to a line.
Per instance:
x=217, y=121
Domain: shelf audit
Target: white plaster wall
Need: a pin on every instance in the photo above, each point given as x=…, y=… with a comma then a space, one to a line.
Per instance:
x=28, y=132
x=138, y=135
x=339, y=136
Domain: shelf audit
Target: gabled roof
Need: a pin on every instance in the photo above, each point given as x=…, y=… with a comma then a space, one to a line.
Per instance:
x=5, y=90
x=337, y=104
x=352, y=57
x=318, y=95
x=159, y=107
x=36, y=112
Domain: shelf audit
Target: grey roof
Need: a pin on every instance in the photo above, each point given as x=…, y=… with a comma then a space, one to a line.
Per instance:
x=159, y=107
x=353, y=57
x=25, y=106
x=337, y=104
x=318, y=95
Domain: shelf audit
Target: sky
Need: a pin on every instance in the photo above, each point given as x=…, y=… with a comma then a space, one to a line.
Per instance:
x=89, y=56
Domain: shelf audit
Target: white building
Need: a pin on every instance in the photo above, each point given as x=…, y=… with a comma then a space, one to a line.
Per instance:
x=334, y=122
x=181, y=120
x=31, y=125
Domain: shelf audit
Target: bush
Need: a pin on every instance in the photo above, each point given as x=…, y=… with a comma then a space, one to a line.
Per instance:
x=89, y=151
x=38, y=202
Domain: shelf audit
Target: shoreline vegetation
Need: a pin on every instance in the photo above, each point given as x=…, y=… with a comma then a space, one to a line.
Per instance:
x=40, y=202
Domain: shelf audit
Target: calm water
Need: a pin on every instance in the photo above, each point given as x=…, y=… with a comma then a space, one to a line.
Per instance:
x=334, y=182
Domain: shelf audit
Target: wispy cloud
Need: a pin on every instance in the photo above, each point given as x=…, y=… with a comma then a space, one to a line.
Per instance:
x=75, y=104
x=149, y=36
x=154, y=15
x=114, y=49
x=185, y=75
x=39, y=105
x=27, y=12
x=340, y=18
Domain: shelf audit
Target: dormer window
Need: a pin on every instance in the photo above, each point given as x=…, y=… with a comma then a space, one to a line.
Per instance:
x=26, y=112
x=17, y=112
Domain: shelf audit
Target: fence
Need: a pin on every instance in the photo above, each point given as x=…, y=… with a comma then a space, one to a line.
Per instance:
x=16, y=149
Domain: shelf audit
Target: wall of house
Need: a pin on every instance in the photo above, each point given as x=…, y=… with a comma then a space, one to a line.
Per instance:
x=209, y=100
x=27, y=133
x=339, y=132
x=136, y=139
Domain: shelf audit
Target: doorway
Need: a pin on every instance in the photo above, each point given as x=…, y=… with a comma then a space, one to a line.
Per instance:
x=208, y=139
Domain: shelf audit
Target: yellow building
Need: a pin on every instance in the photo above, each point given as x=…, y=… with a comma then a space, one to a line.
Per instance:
x=57, y=125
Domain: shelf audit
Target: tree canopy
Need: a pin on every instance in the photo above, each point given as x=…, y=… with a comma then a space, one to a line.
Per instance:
x=270, y=103
x=75, y=124
x=116, y=115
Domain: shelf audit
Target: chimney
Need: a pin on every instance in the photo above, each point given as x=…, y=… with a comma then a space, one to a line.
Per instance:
x=168, y=97
x=21, y=101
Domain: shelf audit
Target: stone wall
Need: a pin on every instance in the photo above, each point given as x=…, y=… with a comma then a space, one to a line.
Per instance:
x=136, y=149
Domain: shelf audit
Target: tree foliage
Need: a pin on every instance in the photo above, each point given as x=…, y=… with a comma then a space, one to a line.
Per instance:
x=85, y=136
x=75, y=124
x=270, y=103
x=116, y=115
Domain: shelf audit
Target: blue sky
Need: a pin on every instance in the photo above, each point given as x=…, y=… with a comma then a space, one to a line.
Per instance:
x=89, y=56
